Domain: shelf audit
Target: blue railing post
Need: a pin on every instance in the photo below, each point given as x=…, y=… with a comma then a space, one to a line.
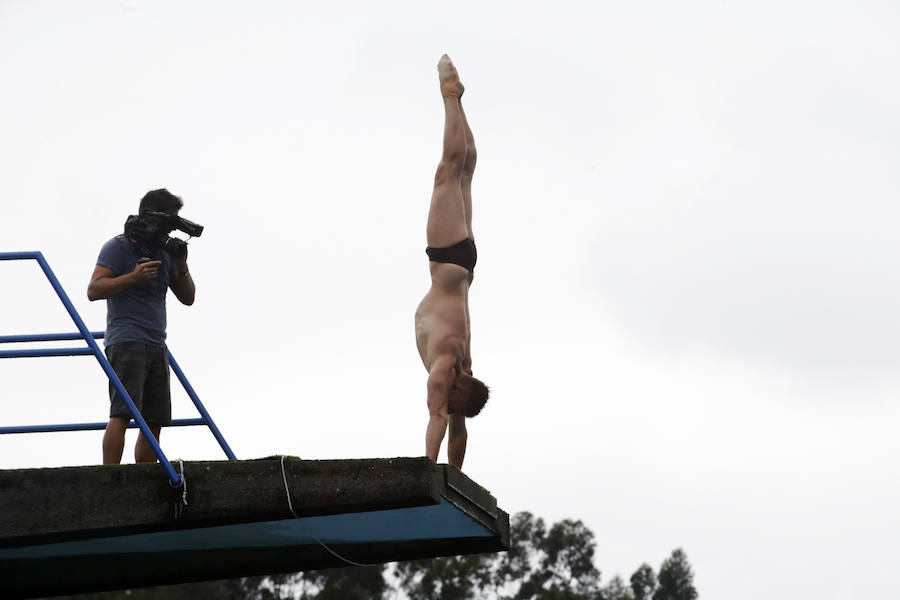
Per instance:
x=174, y=478
x=93, y=348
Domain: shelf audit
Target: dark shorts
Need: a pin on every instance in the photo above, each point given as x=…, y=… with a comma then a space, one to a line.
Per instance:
x=462, y=253
x=144, y=371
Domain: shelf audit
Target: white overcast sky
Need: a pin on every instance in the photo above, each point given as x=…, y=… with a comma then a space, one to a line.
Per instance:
x=687, y=300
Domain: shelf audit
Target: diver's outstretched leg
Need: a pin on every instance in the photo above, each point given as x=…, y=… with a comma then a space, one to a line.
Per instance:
x=467, y=172
x=447, y=215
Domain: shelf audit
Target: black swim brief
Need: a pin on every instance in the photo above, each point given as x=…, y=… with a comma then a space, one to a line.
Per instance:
x=462, y=254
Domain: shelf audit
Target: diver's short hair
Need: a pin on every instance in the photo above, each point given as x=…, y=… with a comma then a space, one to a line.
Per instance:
x=478, y=397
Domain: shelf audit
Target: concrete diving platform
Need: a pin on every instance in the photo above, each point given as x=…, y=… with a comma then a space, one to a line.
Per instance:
x=86, y=529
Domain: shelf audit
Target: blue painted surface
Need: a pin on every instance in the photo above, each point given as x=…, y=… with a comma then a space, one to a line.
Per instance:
x=403, y=524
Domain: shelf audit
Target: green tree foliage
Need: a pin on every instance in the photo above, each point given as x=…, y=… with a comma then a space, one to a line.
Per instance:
x=449, y=578
x=554, y=564
x=542, y=564
x=349, y=583
x=676, y=580
x=226, y=589
x=643, y=582
x=616, y=590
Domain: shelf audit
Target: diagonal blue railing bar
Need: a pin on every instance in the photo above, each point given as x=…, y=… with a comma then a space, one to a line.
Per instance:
x=174, y=478
x=93, y=348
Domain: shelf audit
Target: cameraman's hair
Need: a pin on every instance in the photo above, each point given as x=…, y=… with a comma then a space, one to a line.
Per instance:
x=478, y=397
x=160, y=200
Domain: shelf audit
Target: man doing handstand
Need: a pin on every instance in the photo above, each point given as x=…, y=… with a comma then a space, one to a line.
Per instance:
x=442, y=318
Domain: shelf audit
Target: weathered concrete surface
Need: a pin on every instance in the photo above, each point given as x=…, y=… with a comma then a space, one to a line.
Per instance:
x=43, y=506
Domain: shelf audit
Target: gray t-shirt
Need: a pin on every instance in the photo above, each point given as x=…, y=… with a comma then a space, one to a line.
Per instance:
x=139, y=313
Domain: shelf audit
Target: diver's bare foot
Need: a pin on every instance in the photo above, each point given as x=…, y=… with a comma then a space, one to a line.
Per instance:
x=450, y=84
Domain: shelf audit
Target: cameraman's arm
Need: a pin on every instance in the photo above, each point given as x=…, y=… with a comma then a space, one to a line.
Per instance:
x=181, y=283
x=106, y=284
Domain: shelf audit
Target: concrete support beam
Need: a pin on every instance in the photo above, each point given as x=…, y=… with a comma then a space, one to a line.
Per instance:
x=100, y=527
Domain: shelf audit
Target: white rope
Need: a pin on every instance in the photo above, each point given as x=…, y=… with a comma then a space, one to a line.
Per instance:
x=287, y=492
x=183, y=483
x=179, y=508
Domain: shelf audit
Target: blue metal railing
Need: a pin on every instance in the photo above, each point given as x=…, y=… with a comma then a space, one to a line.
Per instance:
x=93, y=348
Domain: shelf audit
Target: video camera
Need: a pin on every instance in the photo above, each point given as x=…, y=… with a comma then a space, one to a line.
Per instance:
x=151, y=229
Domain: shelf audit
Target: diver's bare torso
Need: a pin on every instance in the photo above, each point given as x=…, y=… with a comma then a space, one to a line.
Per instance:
x=442, y=321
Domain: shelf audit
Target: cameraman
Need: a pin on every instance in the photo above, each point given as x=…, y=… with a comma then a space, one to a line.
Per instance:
x=133, y=275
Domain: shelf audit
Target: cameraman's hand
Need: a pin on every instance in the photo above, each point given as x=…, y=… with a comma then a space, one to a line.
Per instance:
x=181, y=260
x=146, y=271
